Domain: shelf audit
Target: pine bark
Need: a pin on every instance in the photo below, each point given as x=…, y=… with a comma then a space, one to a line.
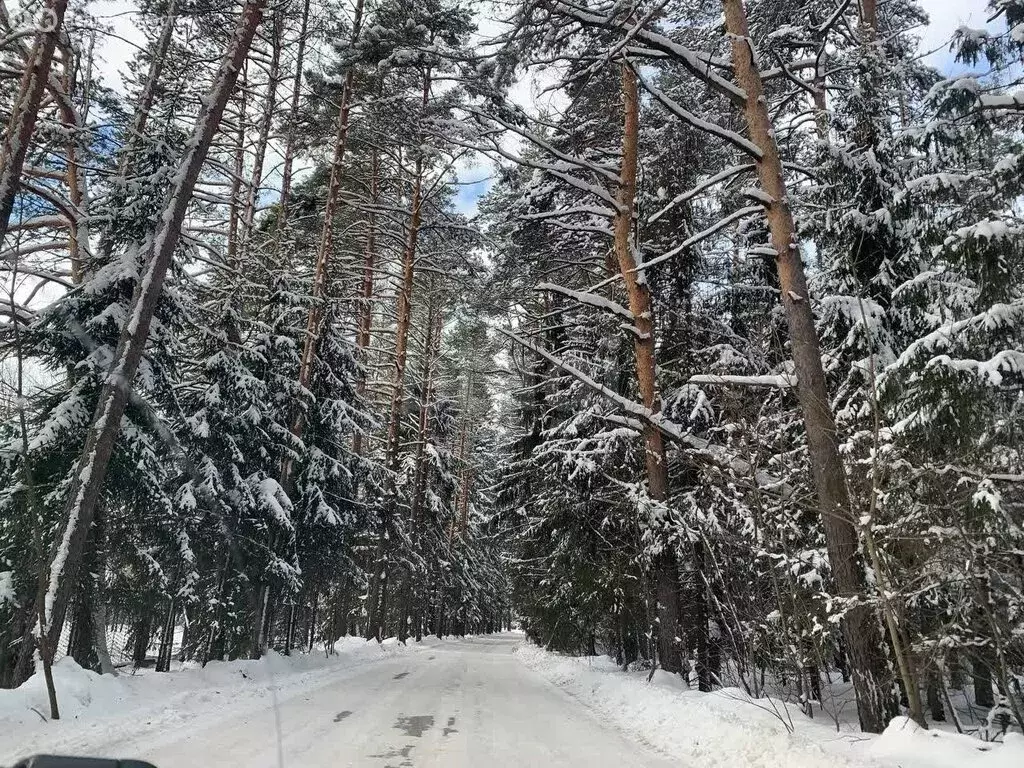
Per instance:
x=87, y=481
x=871, y=678
x=140, y=634
x=666, y=565
x=98, y=604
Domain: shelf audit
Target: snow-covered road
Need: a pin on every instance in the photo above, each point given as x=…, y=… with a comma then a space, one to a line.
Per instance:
x=458, y=703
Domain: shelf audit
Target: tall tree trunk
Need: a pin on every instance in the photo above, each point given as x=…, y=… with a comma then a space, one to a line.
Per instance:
x=666, y=566
x=148, y=96
x=98, y=606
x=78, y=235
x=87, y=481
x=239, y=234
x=697, y=595
x=235, y=212
x=315, y=319
x=869, y=199
x=869, y=18
x=465, y=471
x=312, y=619
x=373, y=599
x=366, y=290
x=263, y=138
x=80, y=637
x=166, y=650
x=420, y=473
x=269, y=617
x=871, y=677
x=404, y=309
x=22, y=122
x=260, y=601
x=426, y=392
x=141, y=629
x=293, y=113
x=377, y=592
x=981, y=677
x=99, y=638
x=404, y=318
x=39, y=636
x=290, y=631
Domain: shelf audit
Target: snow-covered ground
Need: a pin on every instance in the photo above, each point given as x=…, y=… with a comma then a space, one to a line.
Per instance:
x=104, y=715
x=489, y=701
x=452, y=704
x=727, y=728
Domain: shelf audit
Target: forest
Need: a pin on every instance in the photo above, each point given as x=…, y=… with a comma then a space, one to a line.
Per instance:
x=718, y=371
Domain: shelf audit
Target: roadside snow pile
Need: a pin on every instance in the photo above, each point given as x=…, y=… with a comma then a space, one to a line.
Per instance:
x=905, y=743
x=729, y=728
x=83, y=694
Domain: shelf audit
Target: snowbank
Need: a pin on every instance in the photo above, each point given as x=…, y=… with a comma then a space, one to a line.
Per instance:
x=905, y=743
x=729, y=728
x=99, y=702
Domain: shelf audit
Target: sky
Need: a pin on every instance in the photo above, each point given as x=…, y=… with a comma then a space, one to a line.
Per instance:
x=946, y=16
x=475, y=176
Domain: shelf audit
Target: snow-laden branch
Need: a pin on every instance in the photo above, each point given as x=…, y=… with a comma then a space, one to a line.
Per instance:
x=787, y=70
x=18, y=312
x=593, y=210
x=39, y=222
x=559, y=173
x=569, y=227
x=695, y=63
x=991, y=371
x=25, y=249
x=66, y=208
x=996, y=316
x=779, y=381
x=42, y=274
x=541, y=143
x=717, y=454
x=691, y=193
x=740, y=142
x=1011, y=101
x=590, y=299
x=704, y=234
